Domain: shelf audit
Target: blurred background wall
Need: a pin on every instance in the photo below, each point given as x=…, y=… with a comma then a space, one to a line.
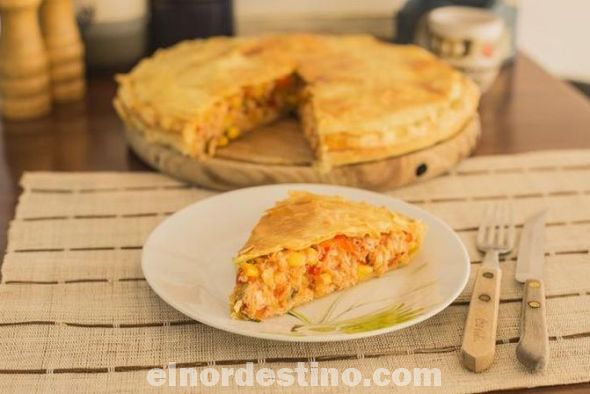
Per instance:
x=556, y=33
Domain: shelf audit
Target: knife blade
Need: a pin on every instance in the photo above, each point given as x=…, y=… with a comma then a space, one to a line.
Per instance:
x=533, y=347
x=531, y=252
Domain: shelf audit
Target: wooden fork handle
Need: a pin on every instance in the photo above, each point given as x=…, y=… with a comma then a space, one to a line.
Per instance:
x=533, y=348
x=479, y=338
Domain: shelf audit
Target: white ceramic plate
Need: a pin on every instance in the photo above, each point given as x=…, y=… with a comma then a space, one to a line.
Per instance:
x=187, y=261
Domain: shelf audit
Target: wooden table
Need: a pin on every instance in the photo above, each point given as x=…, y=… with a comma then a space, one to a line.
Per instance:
x=526, y=109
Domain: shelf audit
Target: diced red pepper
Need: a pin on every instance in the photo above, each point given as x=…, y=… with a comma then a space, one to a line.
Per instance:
x=341, y=242
x=314, y=270
x=278, y=291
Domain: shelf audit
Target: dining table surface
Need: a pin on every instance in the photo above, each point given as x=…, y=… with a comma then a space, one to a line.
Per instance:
x=526, y=109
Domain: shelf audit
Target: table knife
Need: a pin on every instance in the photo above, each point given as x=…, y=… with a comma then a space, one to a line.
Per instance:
x=533, y=347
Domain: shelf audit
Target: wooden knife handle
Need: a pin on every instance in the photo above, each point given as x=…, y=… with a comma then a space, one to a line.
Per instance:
x=479, y=339
x=533, y=348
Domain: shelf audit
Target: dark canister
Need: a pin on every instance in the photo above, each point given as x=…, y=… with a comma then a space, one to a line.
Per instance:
x=176, y=20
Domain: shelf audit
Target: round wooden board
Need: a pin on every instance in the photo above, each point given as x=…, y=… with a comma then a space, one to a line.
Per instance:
x=279, y=153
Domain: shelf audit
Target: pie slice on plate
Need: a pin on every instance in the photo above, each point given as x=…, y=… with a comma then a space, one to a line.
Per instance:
x=358, y=98
x=309, y=245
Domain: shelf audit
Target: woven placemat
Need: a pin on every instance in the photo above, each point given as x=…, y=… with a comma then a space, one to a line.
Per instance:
x=77, y=315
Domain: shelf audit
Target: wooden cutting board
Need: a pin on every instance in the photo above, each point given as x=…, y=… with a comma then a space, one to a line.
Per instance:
x=278, y=153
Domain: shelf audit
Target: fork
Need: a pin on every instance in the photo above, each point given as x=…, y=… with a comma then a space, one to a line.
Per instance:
x=495, y=237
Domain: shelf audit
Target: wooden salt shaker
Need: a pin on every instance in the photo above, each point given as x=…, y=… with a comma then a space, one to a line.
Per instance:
x=65, y=50
x=24, y=78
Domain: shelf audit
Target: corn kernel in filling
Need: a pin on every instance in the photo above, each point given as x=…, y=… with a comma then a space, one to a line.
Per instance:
x=254, y=106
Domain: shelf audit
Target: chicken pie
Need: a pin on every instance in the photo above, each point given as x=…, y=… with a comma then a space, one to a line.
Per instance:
x=358, y=98
x=309, y=245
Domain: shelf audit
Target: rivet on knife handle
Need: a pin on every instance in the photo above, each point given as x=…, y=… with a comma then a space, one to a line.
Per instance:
x=533, y=348
x=479, y=339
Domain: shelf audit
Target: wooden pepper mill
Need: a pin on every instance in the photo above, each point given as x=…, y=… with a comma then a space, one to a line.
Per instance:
x=65, y=50
x=24, y=78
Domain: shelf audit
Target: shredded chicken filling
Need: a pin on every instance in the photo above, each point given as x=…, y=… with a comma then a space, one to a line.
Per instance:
x=273, y=284
x=251, y=107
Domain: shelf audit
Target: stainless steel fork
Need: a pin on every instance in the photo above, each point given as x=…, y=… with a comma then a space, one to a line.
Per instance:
x=495, y=237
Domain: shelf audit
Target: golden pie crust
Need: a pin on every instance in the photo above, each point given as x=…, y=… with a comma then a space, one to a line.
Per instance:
x=305, y=219
x=359, y=99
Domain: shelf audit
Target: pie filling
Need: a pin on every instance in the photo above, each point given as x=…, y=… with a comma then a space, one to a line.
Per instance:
x=273, y=284
x=252, y=107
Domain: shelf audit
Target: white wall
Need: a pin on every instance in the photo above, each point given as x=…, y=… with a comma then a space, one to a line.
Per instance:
x=556, y=33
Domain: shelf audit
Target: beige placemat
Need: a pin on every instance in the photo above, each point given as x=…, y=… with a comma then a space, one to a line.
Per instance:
x=77, y=315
